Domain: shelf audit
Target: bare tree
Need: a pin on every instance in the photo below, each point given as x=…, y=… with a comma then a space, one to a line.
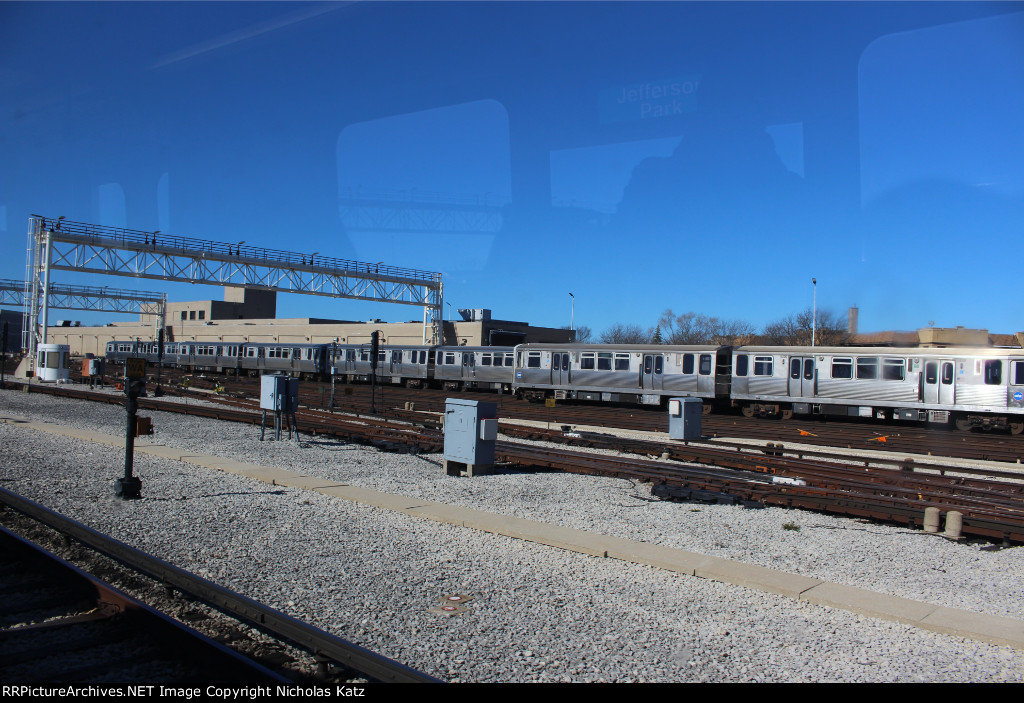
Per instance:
x=625, y=334
x=796, y=330
x=697, y=328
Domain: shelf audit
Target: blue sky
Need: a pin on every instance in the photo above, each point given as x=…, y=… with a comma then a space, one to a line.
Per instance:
x=705, y=157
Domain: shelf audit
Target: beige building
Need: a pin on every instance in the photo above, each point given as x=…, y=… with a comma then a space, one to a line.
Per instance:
x=249, y=316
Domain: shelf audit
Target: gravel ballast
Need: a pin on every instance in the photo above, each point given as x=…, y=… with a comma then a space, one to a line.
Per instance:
x=537, y=613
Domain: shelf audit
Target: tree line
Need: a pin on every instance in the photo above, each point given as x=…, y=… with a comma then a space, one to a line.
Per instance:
x=697, y=328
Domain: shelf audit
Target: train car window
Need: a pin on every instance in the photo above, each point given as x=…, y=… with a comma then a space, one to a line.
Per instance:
x=688, y=363
x=842, y=367
x=764, y=366
x=396, y=356
x=794, y=368
x=1018, y=373
x=894, y=369
x=647, y=364
x=604, y=361
x=533, y=360
x=867, y=367
x=659, y=364
x=931, y=372
x=587, y=361
x=381, y=357
x=622, y=362
x=947, y=373
x=556, y=362
x=485, y=359
x=741, y=365
x=705, y=364
x=993, y=372
x=808, y=369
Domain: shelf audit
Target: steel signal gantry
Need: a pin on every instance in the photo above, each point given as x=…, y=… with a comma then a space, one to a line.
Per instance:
x=77, y=246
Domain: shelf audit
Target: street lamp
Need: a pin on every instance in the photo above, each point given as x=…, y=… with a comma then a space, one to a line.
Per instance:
x=814, y=313
x=572, y=314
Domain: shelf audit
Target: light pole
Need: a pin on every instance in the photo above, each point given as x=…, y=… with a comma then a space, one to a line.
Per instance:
x=814, y=311
x=572, y=314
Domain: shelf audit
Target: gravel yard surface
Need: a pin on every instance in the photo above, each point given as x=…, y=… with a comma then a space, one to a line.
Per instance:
x=537, y=613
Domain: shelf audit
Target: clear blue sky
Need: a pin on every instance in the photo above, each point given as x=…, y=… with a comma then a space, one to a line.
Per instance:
x=706, y=157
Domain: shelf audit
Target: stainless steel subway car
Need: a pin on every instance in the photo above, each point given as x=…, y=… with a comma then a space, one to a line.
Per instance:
x=458, y=368
x=622, y=373
x=971, y=387
x=411, y=366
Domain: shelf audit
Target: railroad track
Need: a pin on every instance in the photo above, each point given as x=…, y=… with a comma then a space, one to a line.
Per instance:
x=113, y=637
x=61, y=624
x=990, y=509
x=851, y=433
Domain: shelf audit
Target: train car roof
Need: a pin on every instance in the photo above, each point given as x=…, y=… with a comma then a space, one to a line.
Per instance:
x=537, y=346
x=476, y=349
x=884, y=351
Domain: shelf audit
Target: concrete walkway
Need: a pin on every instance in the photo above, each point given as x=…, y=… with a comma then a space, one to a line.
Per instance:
x=962, y=623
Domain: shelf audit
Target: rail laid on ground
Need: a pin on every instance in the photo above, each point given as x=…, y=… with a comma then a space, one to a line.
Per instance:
x=59, y=623
x=277, y=623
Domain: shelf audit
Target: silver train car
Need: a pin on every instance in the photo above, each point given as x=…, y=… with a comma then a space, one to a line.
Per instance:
x=646, y=374
x=968, y=387
x=308, y=360
x=459, y=368
x=411, y=366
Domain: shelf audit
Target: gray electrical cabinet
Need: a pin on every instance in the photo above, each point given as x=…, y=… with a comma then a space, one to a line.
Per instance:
x=470, y=433
x=279, y=393
x=684, y=418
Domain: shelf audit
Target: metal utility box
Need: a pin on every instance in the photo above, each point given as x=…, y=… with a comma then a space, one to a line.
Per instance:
x=684, y=418
x=470, y=432
x=279, y=393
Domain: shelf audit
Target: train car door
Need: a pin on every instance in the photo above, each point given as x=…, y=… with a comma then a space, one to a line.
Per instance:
x=938, y=382
x=468, y=366
x=653, y=374
x=801, y=377
x=559, y=368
